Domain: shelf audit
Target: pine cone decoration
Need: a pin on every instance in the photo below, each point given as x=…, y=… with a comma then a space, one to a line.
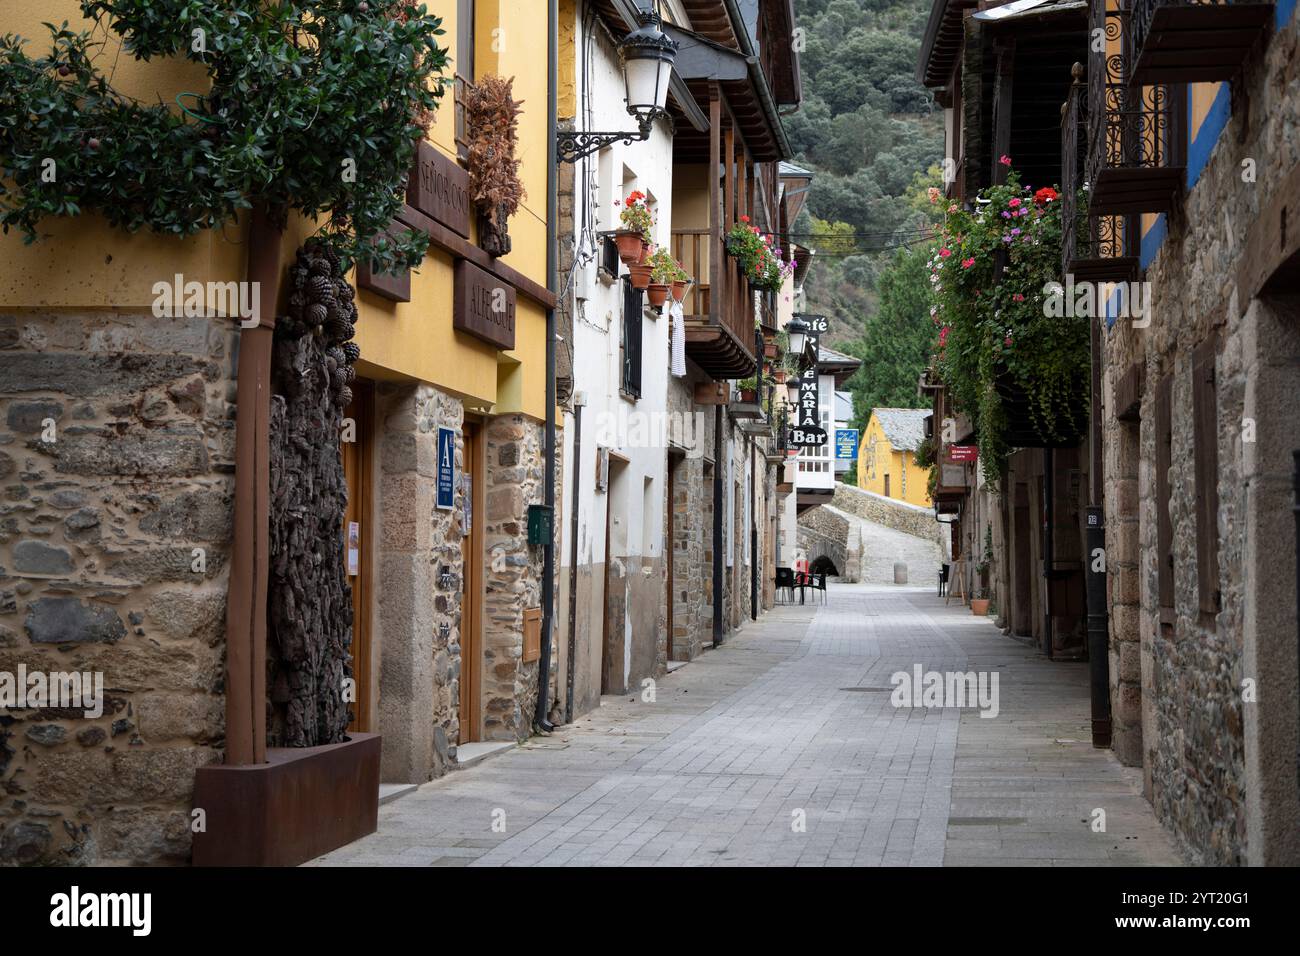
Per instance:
x=352, y=351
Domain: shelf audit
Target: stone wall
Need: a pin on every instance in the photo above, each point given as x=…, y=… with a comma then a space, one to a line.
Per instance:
x=1220, y=770
x=416, y=620
x=825, y=531
x=692, y=542
x=116, y=464
x=513, y=575
x=889, y=512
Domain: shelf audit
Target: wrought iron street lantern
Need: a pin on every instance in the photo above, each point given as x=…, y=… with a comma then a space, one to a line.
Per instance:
x=798, y=331
x=647, y=55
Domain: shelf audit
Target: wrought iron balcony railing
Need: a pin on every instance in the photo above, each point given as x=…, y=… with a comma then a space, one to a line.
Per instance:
x=1193, y=41
x=1134, y=153
x=1095, y=248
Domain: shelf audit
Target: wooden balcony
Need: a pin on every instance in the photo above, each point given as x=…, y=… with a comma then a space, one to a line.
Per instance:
x=1094, y=248
x=1194, y=41
x=1136, y=135
x=720, y=309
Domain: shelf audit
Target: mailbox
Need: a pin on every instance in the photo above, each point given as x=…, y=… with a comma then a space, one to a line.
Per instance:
x=541, y=520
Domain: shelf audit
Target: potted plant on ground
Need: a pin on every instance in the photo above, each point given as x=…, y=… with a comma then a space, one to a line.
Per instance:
x=638, y=224
x=979, y=606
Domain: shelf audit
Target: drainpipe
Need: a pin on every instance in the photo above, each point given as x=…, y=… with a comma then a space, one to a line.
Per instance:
x=576, y=469
x=753, y=536
x=548, y=549
x=717, y=525
x=249, y=562
x=1049, y=545
x=1295, y=508
x=1098, y=625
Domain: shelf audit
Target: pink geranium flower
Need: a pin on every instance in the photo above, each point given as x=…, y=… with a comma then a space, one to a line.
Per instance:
x=966, y=264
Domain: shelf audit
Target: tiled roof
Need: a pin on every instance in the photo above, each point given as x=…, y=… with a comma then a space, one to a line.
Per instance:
x=903, y=427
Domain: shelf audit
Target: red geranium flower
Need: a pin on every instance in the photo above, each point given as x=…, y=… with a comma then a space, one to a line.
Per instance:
x=1045, y=195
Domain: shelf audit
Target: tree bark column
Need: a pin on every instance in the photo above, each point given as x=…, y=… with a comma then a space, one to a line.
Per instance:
x=246, y=595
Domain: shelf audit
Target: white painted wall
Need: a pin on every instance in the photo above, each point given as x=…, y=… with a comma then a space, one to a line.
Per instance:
x=610, y=419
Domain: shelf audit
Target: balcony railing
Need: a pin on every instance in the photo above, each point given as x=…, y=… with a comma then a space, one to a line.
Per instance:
x=1135, y=152
x=1094, y=248
x=1194, y=41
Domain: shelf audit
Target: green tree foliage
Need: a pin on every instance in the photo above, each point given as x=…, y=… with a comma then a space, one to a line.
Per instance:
x=313, y=106
x=873, y=138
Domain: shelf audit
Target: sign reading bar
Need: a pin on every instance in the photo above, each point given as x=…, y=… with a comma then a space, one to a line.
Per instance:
x=439, y=188
x=484, y=306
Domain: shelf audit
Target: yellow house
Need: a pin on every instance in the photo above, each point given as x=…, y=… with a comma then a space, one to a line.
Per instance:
x=152, y=433
x=887, y=457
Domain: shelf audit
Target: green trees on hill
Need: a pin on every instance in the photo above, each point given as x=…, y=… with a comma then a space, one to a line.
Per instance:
x=874, y=139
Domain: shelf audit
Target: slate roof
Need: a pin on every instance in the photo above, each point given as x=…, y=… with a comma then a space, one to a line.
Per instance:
x=903, y=427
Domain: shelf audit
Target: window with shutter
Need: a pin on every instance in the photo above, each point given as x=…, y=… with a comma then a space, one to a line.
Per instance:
x=1205, y=427
x=631, y=343
x=464, y=73
x=1164, y=526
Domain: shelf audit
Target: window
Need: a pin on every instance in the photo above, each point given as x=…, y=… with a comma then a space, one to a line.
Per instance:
x=1164, y=526
x=1205, y=432
x=630, y=346
x=464, y=72
x=886, y=486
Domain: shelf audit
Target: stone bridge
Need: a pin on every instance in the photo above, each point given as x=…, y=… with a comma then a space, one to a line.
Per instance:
x=860, y=536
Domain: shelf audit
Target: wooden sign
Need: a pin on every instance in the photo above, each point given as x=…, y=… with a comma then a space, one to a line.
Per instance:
x=439, y=188
x=711, y=393
x=396, y=288
x=484, y=306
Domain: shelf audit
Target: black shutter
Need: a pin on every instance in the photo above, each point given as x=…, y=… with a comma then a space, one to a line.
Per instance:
x=1164, y=525
x=632, y=318
x=1205, y=428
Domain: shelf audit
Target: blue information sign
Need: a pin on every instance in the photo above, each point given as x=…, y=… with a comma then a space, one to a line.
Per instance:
x=446, y=468
x=846, y=444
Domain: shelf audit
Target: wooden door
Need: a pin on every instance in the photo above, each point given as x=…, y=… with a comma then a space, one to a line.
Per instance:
x=604, y=631
x=357, y=460
x=471, y=618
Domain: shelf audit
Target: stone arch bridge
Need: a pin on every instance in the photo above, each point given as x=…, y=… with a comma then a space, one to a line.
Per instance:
x=860, y=536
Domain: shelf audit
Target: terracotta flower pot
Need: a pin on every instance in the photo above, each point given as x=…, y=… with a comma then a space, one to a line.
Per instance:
x=629, y=245
x=647, y=250
x=748, y=395
x=979, y=606
x=679, y=289
x=657, y=293
x=769, y=350
x=640, y=273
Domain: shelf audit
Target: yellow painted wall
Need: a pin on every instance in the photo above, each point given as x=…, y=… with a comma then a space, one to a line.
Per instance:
x=82, y=263
x=907, y=481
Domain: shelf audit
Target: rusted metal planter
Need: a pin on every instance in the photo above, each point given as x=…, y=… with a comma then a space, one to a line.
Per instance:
x=299, y=804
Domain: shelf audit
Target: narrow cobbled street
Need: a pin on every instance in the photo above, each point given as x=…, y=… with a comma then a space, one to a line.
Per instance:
x=783, y=748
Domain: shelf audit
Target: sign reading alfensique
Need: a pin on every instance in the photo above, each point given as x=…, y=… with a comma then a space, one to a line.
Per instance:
x=484, y=306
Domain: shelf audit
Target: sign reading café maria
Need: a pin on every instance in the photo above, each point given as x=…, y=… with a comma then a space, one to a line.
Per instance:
x=484, y=305
x=807, y=431
x=439, y=188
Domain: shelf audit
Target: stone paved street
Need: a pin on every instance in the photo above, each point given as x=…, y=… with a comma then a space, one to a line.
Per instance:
x=794, y=714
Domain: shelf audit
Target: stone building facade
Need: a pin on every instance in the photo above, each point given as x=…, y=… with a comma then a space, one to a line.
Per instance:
x=116, y=457
x=1199, y=428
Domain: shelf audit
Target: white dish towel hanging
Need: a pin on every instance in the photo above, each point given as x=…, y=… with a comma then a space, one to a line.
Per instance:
x=678, y=365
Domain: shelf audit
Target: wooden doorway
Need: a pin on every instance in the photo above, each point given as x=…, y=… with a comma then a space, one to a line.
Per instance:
x=358, y=460
x=471, y=616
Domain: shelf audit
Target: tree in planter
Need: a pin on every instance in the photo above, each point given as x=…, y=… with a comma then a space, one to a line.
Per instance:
x=992, y=275
x=313, y=106
x=492, y=116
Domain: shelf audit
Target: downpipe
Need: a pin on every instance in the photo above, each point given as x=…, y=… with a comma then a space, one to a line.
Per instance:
x=541, y=721
x=1095, y=566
